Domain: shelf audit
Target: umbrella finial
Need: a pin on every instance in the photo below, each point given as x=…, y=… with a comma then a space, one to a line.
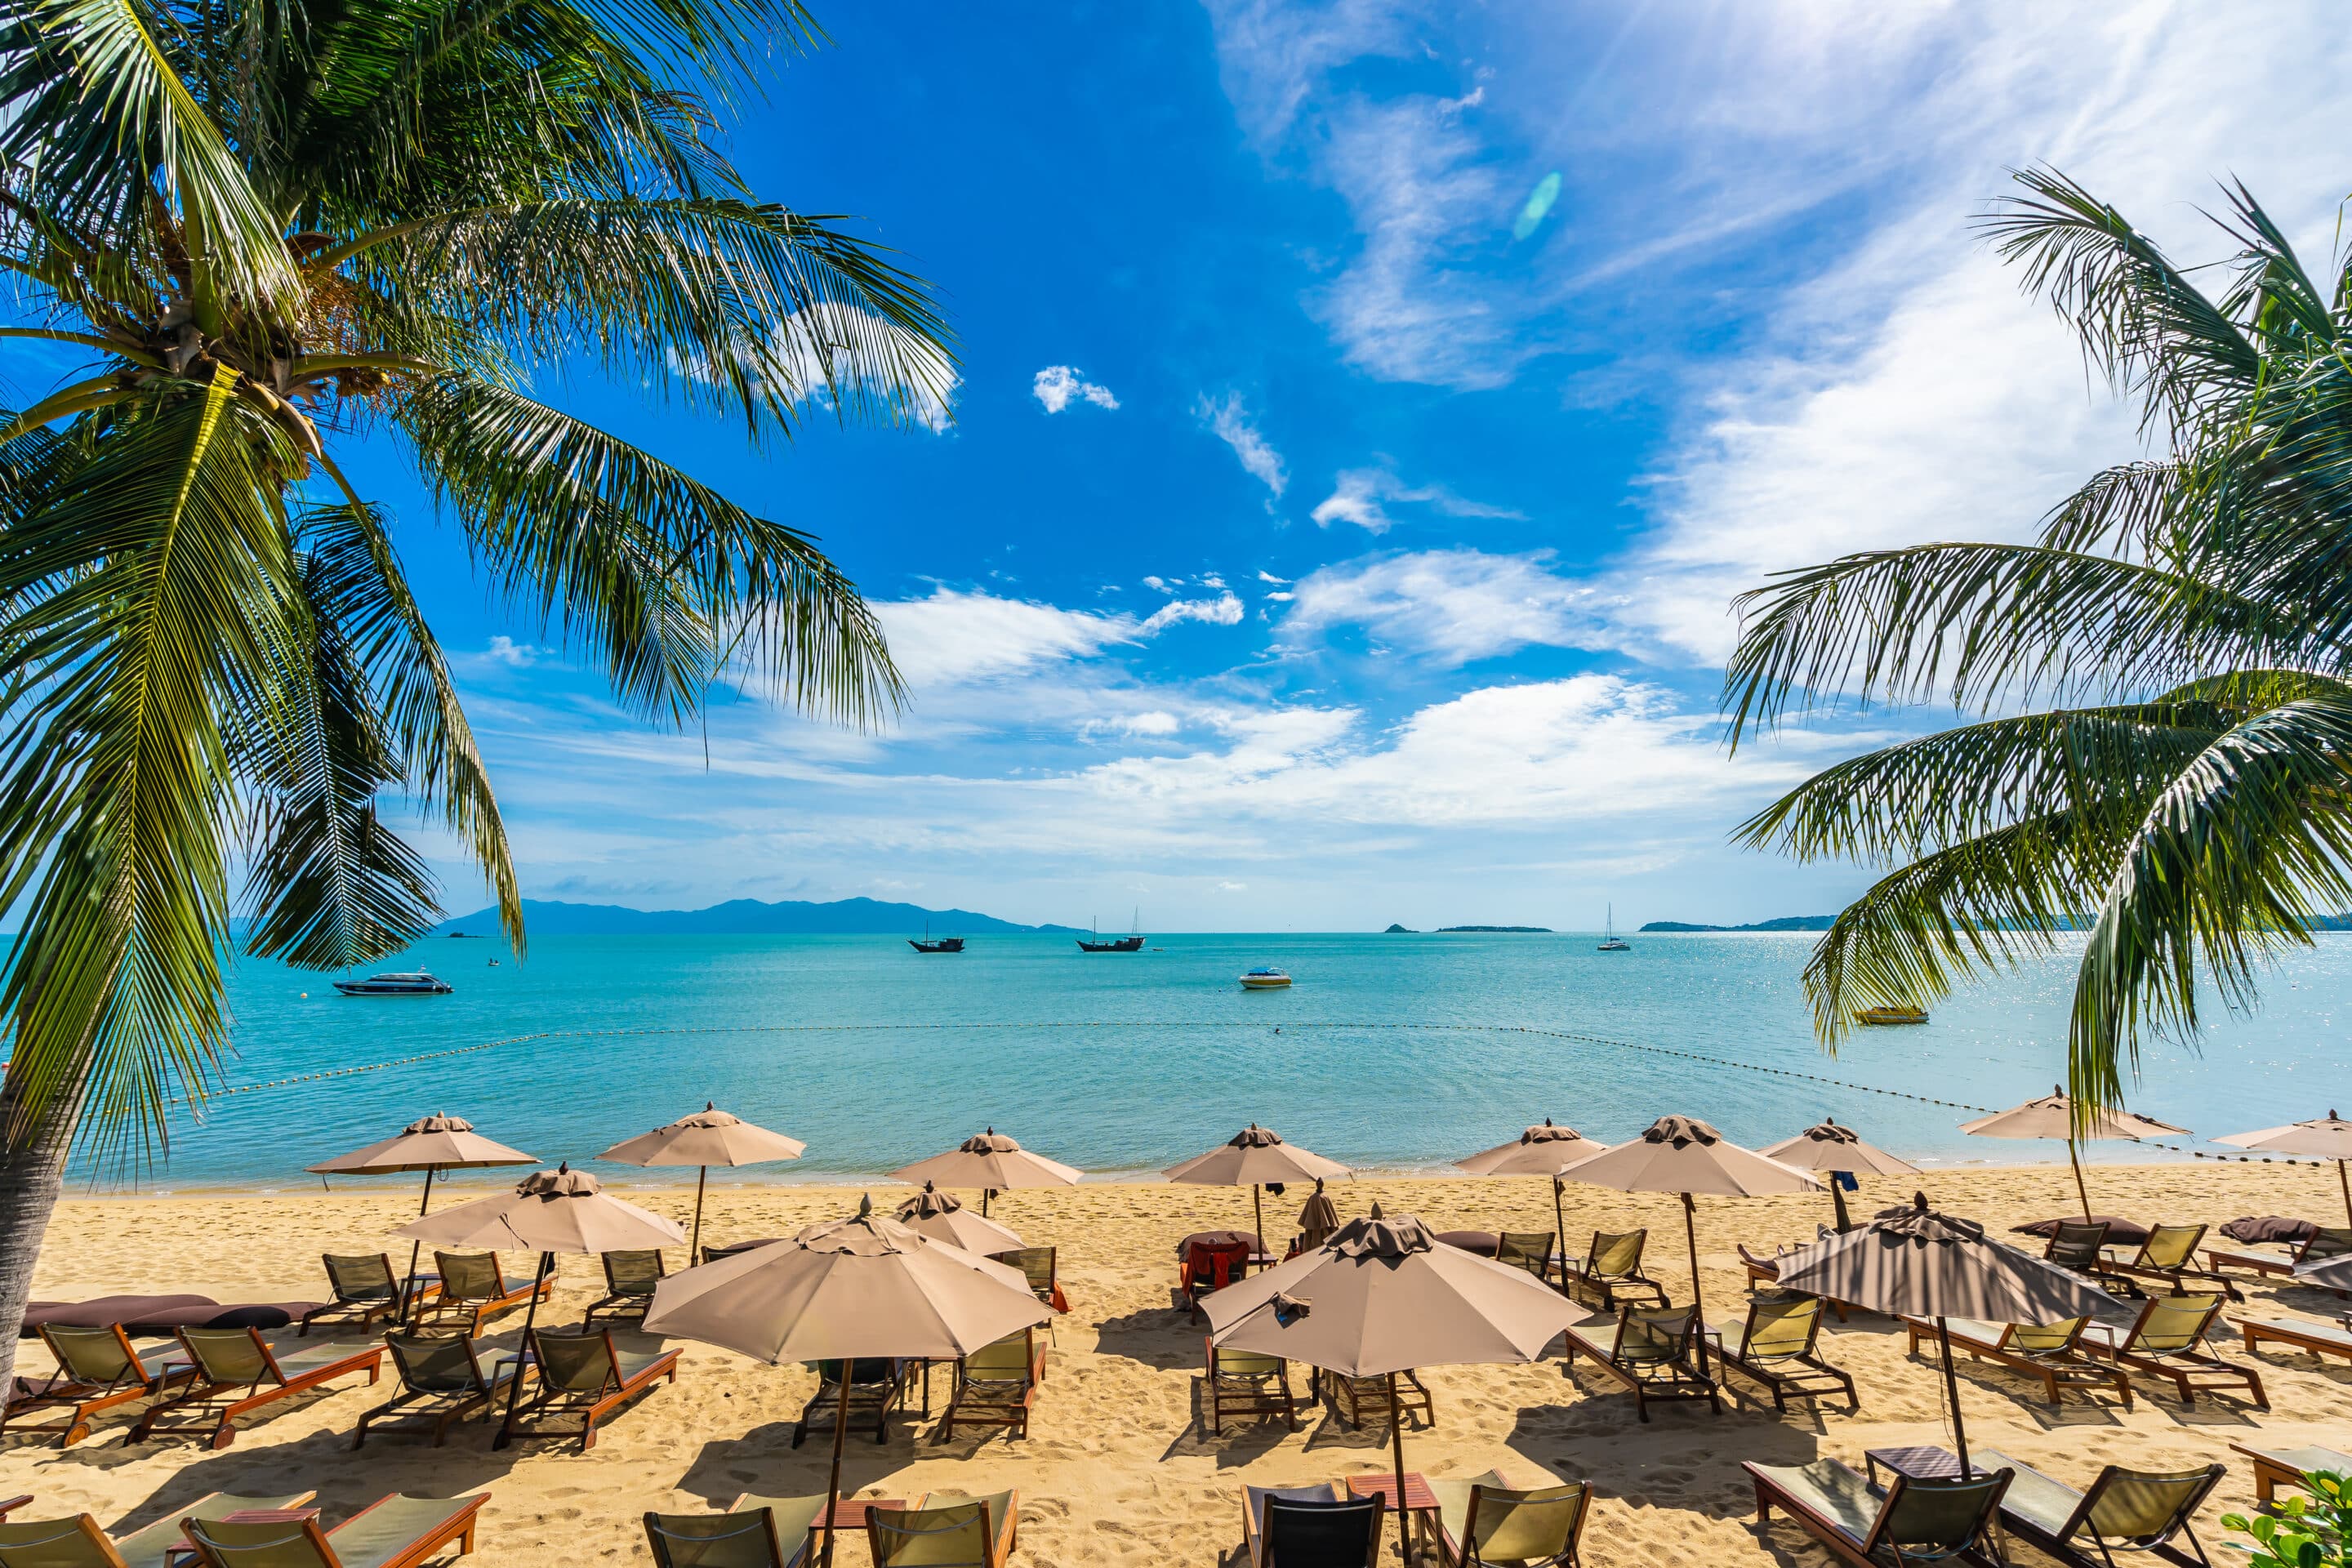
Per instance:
x=865, y=1205
x=1919, y=1203
x=1547, y=1122
x=1376, y=1210
x=2332, y=1116
x=709, y=1105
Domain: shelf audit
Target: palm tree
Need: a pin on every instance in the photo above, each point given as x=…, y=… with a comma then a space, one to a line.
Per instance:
x=276, y=227
x=2187, y=797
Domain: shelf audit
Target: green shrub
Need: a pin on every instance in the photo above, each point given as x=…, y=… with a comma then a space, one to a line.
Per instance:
x=2304, y=1533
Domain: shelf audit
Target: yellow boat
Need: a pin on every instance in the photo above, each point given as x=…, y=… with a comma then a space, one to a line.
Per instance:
x=1890, y=1015
x=1265, y=979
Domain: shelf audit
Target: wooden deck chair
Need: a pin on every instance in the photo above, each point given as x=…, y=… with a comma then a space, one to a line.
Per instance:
x=945, y=1531
x=2168, y=1256
x=1907, y=1523
x=2124, y=1510
x=473, y=1286
x=238, y=1372
x=97, y=1370
x=1310, y=1527
x=1037, y=1264
x=877, y=1387
x=2167, y=1341
x=2326, y=1242
x=1351, y=1398
x=754, y=1532
x=630, y=1278
x=1610, y=1272
x=2321, y=1340
x=1243, y=1382
x=2077, y=1244
x=1482, y=1521
x=2051, y=1352
x=995, y=1385
x=391, y=1532
x=1778, y=1347
x=1649, y=1356
x=2276, y=1467
x=585, y=1374
x=1530, y=1249
x=79, y=1542
x=364, y=1288
x=441, y=1380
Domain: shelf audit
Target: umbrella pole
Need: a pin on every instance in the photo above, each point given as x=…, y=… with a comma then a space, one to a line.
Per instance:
x=408, y=1291
x=1257, y=1212
x=694, y=1247
x=1559, y=1227
x=1952, y=1390
x=2081, y=1191
x=1698, y=1312
x=2347, y=1181
x=529, y=1316
x=985, y=1194
x=1396, y=1439
x=832, y=1480
x=1837, y=1203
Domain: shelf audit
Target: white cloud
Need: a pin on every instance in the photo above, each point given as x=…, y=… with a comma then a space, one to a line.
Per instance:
x=1233, y=886
x=1230, y=420
x=1361, y=496
x=1452, y=605
x=1224, y=610
x=954, y=638
x=1154, y=722
x=1160, y=585
x=1265, y=576
x=1212, y=580
x=1056, y=384
x=504, y=649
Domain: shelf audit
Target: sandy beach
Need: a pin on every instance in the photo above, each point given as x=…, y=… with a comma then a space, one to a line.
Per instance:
x=1118, y=1470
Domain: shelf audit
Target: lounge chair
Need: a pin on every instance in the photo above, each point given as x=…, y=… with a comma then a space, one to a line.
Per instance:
x=2167, y=1341
x=877, y=1387
x=1905, y=1522
x=995, y=1385
x=2321, y=1340
x=1610, y=1272
x=1766, y=1272
x=1532, y=1250
x=2051, y=1352
x=2078, y=1245
x=2328, y=1241
x=79, y=1542
x=1243, y=1382
x=1310, y=1527
x=583, y=1374
x=238, y=1372
x=754, y=1532
x=945, y=1531
x=1777, y=1348
x=1483, y=1521
x=97, y=1370
x=1208, y=1266
x=629, y=1281
x=1354, y=1398
x=2168, y=1256
x=2136, y=1510
x=1649, y=1356
x=2276, y=1467
x=1036, y=1263
x=473, y=1286
x=441, y=1380
x=391, y=1532
x=365, y=1289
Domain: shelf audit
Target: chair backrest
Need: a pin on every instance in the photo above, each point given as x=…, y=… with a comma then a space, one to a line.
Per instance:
x=1505, y=1526
x=745, y=1540
x=1035, y=1263
x=1528, y=1249
x=1616, y=1256
x=1779, y=1328
x=76, y=1543
x=632, y=1273
x=2171, y=1246
x=2170, y=1324
x=956, y=1535
x=436, y=1364
x=360, y=1278
x=2141, y=1507
x=1216, y=1263
x=2326, y=1242
x=1006, y=1361
x=576, y=1362
x=2075, y=1242
x=2047, y=1338
x=469, y=1275
x=1937, y=1518
x=283, y=1544
x=1648, y=1336
x=865, y=1371
x=227, y=1355
x=1225, y=1362
x=1303, y=1534
x=93, y=1356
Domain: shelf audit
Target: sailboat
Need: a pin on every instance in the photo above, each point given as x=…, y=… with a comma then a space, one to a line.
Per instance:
x=1610, y=940
x=1131, y=943
x=930, y=943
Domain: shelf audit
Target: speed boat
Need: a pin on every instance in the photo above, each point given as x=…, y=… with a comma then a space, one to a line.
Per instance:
x=419, y=984
x=1264, y=978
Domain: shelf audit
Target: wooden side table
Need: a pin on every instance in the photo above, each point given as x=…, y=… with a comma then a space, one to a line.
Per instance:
x=1420, y=1502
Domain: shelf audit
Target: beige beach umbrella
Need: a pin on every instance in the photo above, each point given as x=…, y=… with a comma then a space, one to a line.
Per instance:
x=1827, y=1146
x=1918, y=1262
x=993, y=1162
x=1256, y=1158
x=942, y=1217
x=562, y=1210
x=861, y=1289
x=2333, y=1274
x=2328, y=1137
x=1384, y=1296
x=1684, y=1155
x=2052, y=1116
x=708, y=1137
x=1319, y=1216
x=431, y=1144
x=1544, y=1151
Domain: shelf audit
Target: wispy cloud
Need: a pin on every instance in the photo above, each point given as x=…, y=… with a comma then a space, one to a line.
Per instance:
x=1058, y=386
x=1229, y=418
x=1451, y=606
x=1224, y=610
x=1361, y=496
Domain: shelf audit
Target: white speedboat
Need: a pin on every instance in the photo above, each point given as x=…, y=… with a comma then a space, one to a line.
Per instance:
x=1264, y=978
x=1610, y=940
x=418, y=984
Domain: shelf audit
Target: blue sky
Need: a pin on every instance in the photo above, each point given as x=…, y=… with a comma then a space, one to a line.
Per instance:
x=1316, y=544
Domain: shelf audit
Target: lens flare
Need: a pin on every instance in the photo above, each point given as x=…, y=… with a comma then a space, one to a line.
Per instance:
x=1540, y=201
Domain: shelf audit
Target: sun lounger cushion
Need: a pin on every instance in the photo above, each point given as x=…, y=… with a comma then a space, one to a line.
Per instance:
x=148, y=1315
x=2326, y=1334
x=2270, y=1227
x=2031, y=1496
x=145, y=1548
x=1837, y=1492
x=2309, y=1459
x=393, y=1526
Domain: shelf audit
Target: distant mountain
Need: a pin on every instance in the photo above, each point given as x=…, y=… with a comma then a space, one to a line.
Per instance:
x=1541, y=931
x=1785, y=922
x=742, y=917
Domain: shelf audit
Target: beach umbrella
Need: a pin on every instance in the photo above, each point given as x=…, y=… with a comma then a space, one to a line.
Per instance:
x=1684, y=1155
x=861, y=1289
x=1384, y=1296
x=562, y=1210
x=2052, y=1116
x=433, y=1144
x=1917, y=1262
x=2328, y=1137
x=708, y=1137
x=1833, y=1148
x=942, y=1217
x=1319, y=1216
x=1256, y=1158
x=1545, y=1151
x=993, y=1162
x=2331, y=1274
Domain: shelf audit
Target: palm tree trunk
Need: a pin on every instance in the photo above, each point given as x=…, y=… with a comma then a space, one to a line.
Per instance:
x=32, y=1175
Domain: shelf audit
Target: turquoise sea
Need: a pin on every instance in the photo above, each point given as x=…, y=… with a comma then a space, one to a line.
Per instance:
x=1389, y=1051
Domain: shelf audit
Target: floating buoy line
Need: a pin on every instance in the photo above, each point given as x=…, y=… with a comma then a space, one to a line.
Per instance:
x=943, y=1027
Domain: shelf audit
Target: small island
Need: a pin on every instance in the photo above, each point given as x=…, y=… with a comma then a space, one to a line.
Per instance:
x=1536, y=931
x=1785, y=922
x=1400, y=931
